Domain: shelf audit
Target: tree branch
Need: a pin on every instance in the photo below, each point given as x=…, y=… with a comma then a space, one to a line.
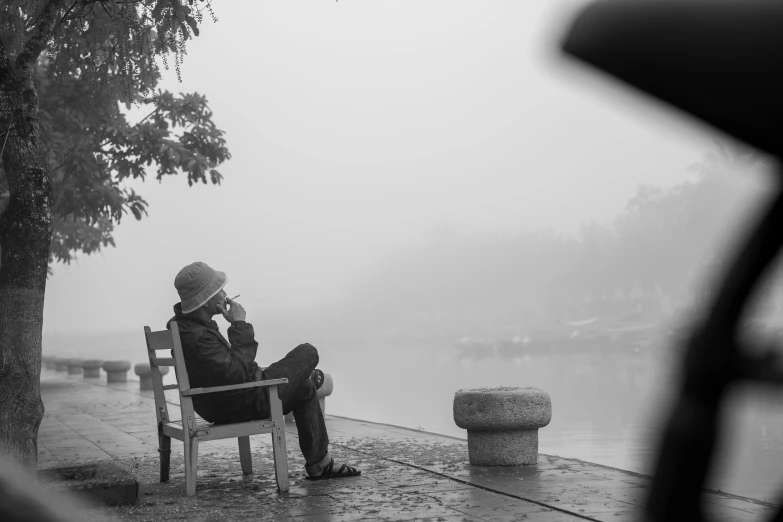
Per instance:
x=64, y=16
x=145, y=118
x=37, y=42
x=108, y=140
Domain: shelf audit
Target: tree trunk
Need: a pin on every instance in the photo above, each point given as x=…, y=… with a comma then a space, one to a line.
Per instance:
x=25, y=236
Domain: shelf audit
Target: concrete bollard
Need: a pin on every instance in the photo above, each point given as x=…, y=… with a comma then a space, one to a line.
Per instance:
x=144, y=371
x=324, y=391
x=48, y=362
x=502, y=423
x=92, y=368
x=74, y=366
x=116, y=371
x=60, y=364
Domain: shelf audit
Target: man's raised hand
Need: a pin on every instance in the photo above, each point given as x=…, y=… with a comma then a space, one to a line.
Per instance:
x=235, y=312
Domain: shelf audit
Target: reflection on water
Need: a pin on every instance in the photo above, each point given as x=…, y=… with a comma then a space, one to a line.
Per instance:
x=605, y=406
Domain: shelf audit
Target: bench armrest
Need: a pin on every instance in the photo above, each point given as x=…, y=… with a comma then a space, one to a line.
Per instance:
x=215, y=389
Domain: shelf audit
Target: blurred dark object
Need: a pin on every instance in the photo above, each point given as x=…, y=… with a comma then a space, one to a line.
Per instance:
x=719, y=61
x=22, y=500
x=100, y=483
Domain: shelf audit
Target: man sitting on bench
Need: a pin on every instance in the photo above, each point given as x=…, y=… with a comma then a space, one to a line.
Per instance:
x=211, y=360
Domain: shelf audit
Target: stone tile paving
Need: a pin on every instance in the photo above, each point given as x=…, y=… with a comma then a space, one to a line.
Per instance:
x=407, y=474
x=590, y=490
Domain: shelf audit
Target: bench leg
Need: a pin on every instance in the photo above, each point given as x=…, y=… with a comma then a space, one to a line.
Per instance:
x=244, y=455
x=164, y=449
x=281, y=459
x=278, y=440
x=191, y=464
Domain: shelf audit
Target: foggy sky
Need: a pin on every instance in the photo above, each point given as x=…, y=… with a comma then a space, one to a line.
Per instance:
x=355, y=127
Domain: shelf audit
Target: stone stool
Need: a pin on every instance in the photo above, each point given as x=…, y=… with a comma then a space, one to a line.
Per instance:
x=116, y=371
x=144, y=372
x=60, y=364
x=502, y=423
x=324, y=391
x=74, y=366
x=92, y=368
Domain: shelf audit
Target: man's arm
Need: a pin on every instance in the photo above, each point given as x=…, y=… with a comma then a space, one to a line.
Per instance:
x=241, y=334
x=242, y=337
x=220, y=365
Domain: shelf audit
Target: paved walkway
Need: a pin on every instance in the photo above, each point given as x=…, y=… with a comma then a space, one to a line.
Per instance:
x=407, y=474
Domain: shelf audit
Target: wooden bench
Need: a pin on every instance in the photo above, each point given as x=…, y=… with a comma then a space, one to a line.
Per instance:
x=192, y=429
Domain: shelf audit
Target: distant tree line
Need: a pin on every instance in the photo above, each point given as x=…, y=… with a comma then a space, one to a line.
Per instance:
x=661, y=247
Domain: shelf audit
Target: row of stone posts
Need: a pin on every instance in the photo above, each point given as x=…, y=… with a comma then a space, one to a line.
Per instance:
x=117, y=371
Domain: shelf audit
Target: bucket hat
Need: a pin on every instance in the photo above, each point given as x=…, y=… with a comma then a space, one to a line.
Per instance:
x=197, y=283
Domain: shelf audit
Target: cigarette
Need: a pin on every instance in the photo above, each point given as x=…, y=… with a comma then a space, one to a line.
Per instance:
x=232, y=298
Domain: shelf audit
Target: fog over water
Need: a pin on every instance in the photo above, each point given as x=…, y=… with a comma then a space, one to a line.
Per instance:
x=428, y=193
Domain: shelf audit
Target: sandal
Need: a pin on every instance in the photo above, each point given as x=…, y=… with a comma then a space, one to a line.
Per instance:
x=318, y=378
x=329, y=473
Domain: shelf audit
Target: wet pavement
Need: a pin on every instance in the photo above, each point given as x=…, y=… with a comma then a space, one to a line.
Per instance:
x=406, y=474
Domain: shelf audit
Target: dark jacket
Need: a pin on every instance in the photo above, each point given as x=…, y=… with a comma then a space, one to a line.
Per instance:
x=211, y=360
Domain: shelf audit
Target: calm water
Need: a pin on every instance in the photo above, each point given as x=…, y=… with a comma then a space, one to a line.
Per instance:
x=605, y=407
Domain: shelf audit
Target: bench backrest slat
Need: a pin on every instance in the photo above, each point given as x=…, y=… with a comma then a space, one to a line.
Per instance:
x=158, y=341
x=185, y=402
x=162, y=340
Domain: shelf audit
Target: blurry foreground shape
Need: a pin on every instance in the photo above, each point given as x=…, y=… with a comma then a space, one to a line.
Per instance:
x=21, y=500
x=502, y=423
x=719, y=60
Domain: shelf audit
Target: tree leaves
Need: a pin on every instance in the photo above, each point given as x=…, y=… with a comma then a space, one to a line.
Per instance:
x=72, y=234
x=103, y=54
x=115, y=40
x=93, y=149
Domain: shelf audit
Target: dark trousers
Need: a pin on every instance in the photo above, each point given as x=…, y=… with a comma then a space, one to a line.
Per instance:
x=299, y=396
